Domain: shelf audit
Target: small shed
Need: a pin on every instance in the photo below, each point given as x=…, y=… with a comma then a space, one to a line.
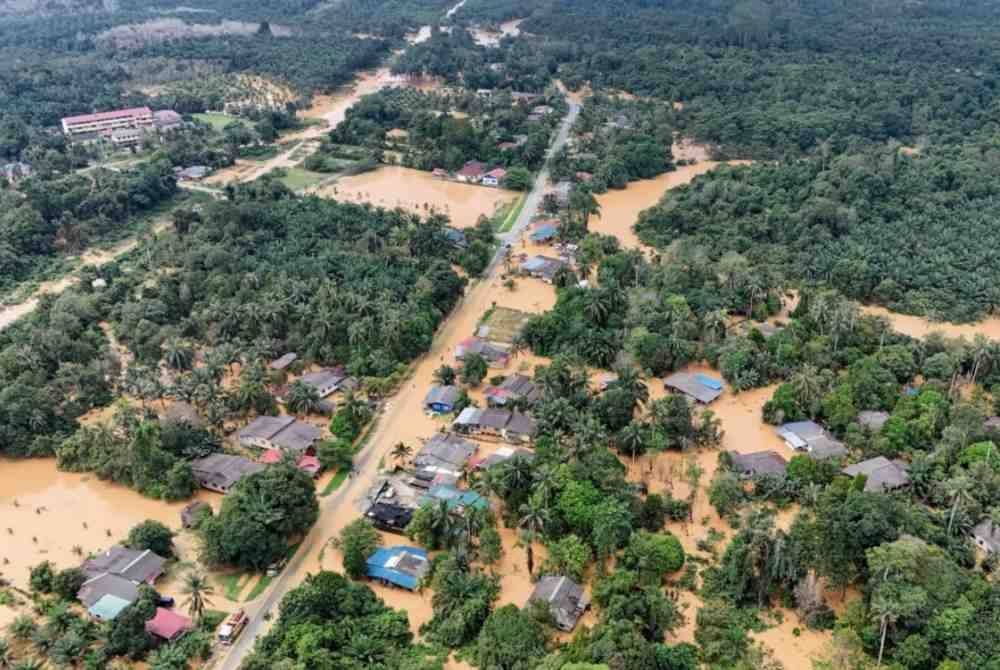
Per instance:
x=698, y=387
x=192, y=511
x=282, y=362
x=442, y=399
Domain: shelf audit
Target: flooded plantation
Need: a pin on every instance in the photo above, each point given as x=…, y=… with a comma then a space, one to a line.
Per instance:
x=421, y=193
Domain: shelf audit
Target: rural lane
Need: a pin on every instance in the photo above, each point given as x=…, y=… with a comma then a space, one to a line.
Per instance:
x=366, y=465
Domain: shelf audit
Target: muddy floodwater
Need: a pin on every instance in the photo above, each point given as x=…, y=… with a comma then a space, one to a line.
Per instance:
x=419, y=192
x=48, y=515
x=620, y=209
x=920, y=326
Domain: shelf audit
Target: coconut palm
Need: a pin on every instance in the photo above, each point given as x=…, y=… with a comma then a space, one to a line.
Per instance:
x=302, y=398
x=178, y=355
x=959, y=490
x=401, y=452
x=28, y=664
x=6, y=655
x=534, y=519
x=808, y=387
x=197, y=590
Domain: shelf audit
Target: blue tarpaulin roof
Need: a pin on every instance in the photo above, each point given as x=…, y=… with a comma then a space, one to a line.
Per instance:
x=711, y=383
x=455, y=497
x=401, y=566
x=545, y=232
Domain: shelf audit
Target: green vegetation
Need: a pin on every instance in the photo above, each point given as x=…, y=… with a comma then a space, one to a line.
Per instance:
x=297, y=179
x=218, y=121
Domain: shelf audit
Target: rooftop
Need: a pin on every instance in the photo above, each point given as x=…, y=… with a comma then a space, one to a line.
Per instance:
x=759, y=463
x=400, y=565
x=220, y=472
x=167, y=624
x=566, y=599
x=107, y=116
x=135, y=565
x=701, y=387
x=882, y=474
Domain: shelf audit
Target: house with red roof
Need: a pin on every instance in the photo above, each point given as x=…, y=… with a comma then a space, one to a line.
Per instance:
x=106, y=122
x=471, y=173
x=307, y=463
x=494, y=177
x=168, y=625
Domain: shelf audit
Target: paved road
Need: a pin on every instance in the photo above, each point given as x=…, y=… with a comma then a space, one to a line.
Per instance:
x=367, y=462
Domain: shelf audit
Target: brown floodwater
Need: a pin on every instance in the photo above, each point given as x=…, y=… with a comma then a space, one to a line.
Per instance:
x=620, y=209
x=919, y=326
x=419, y=192
x=46, y=514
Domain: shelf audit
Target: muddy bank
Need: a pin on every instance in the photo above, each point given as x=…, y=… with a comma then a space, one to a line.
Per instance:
x=491, y=38
x=920, y=326
x=62, y=516
x=421, y=193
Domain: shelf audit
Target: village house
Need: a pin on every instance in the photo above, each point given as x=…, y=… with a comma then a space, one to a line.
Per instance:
x=182, y=413
x=168, y=625
x=471, y=172
x=193, y=173
x=140, y=566
x=515, y=388
x=113, y=579
x=328, y=381
x=495, y=424
x=697, y=387
x=282, y=362
x=520, y=96
x=566, y=600
x=881, y=474
x=390, y=517
x=543, y=267
x=444, y=454
x=585, y=177
x=457, y=500
x=442, y=399
x=494, y=177
x=398, y=566
x=810, y=437
x=759, y=464
x=502, y=455
x=456, y=237
x=193, y=511
x=561, y=192
x=221, y=472
x=986, y=535
x=543, y=110
x=494, y=355
x=307, y=463
x=544, y=234
x=873, y=421
x=280, y=432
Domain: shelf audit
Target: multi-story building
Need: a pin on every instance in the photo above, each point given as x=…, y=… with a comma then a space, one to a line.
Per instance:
x=106, y=122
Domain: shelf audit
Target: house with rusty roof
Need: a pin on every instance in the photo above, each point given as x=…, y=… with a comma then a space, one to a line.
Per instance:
x=759, y=464
x=280, y=432
x=880, y=474
x=221, y=472
x=697, y=387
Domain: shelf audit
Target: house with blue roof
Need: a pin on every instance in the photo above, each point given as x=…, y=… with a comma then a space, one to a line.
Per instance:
x=398, y=566
x=544, y=234
x=458, y=500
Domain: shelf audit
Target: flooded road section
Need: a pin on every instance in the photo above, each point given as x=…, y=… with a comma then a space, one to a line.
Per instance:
x=920, y=326
x=419, y=192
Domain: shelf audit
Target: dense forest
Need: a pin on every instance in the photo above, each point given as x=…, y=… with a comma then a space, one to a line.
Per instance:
x=912, y=232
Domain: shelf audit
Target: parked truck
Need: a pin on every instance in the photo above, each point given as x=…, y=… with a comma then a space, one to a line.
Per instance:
x=232, y=627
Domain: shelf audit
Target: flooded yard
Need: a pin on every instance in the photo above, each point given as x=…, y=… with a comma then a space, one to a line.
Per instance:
x=62, y=516
x=421, y=193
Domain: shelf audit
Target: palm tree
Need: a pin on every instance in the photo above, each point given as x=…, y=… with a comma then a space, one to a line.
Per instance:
x=302, y=398
x=28, y=664
x=630, y=381
x=197, y=589
x=534, y=519
x=884, y=610
x=982, y=354
x=808, y=387
x=401, y=452
x=177, y=355
x=445, y=375
x=632, y=439
x=958, y=489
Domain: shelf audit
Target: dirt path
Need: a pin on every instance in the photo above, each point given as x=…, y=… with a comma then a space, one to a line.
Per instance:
x=98, y=257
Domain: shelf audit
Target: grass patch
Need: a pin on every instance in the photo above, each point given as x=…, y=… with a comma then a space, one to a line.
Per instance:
x=259, y=587
x=218, y=121
x=233, y=585
x=297, y=179
x=334, y=483
x=505, y=323
x=511, y=215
